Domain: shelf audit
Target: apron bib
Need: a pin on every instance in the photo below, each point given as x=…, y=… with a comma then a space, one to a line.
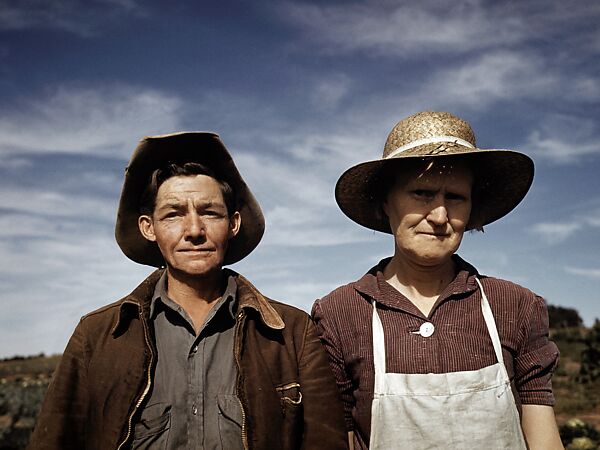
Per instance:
x=472, y=409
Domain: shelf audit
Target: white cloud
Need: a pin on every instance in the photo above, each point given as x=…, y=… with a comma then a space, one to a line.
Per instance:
x=88, y=120
x=412, y=28
x=555, y=233
x=488, y=78
x=564, y=139
x=391, y=29
x=51, y=203
x=584, y=272
x=329, y=92
x=304, y=226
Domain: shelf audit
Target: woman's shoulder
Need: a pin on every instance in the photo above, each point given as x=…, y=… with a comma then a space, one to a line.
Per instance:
x=506, y=286
x=511, y=295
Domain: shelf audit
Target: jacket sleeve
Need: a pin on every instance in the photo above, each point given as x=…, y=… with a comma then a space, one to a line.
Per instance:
x=324, y=425
x=61, y=420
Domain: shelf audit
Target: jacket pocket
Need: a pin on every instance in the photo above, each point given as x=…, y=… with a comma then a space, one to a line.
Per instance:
x=152, y=431
x=292, y=410
x=230, y=421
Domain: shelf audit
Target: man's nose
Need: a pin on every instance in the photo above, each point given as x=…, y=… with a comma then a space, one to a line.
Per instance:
x=194, y=226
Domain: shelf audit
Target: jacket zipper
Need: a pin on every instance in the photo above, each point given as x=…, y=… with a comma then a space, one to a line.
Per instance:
x=237, y=350
x=148, y=383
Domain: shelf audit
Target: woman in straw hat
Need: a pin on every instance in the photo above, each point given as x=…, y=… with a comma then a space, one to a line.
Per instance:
x=428, y=353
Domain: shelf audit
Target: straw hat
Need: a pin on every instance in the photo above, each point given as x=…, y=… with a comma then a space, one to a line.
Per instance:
x=502, y=177
x=199, y=147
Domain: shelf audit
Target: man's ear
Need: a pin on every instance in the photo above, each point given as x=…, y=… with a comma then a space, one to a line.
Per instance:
x=235, y=222
x=146, y=226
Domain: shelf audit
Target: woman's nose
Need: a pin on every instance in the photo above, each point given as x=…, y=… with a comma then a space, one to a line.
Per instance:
x=438, y=215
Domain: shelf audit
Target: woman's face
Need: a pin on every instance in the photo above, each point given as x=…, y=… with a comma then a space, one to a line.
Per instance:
x=428, y=210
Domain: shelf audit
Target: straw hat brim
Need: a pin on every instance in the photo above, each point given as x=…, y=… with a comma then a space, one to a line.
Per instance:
x=200, y=147
x=503, y=178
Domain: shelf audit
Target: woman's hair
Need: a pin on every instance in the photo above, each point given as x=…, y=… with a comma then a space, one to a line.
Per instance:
x=162, y=174
x=384, y=179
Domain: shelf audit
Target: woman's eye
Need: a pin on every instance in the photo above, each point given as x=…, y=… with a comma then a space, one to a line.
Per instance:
x=455, y=196
x=423, y=193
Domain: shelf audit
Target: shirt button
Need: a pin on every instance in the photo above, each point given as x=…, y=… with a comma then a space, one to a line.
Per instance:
x=426, y=329
x=194, y=410
x=194, y=349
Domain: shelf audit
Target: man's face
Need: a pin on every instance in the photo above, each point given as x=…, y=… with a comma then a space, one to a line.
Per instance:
x=428, y=212
x=191, y=225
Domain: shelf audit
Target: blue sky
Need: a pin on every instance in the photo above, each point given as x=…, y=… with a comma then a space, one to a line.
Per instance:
x=298, y=91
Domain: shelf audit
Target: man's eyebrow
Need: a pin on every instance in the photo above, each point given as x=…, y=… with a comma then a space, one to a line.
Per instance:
x=171, y=204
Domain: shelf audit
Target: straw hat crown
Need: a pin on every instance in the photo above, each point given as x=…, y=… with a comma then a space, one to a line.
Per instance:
x=424, y=125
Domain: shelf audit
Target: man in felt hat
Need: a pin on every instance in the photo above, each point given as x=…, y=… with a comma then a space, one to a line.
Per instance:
x=195, y=357
x=428, y=353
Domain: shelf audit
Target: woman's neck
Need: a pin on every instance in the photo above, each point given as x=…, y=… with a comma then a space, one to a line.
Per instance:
x=421, y=284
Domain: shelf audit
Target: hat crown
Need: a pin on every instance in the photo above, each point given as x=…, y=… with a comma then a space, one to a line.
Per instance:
x=427, y=124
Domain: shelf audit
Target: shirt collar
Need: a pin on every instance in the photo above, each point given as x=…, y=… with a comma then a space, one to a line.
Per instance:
x=160, y=295
x=371, y=283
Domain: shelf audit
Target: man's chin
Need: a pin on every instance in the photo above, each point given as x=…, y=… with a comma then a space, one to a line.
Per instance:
x=197, y=269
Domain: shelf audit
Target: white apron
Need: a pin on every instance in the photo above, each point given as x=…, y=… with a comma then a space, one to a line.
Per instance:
x=459, y=410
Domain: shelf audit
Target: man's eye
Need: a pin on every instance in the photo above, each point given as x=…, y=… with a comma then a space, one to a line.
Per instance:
x=211, y=213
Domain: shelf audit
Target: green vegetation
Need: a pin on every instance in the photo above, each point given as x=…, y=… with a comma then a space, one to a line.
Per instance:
x=576, y=382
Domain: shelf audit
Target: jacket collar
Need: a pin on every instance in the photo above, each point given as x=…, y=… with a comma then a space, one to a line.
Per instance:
x=139, y=301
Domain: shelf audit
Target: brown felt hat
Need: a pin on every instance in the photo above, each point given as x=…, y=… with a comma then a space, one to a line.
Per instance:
x=204, y=148
x=502, y=177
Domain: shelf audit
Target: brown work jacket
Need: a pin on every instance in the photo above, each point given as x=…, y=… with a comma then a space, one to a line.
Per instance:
x=287, y=393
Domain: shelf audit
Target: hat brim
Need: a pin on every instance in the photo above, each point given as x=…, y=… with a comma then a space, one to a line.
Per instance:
x=503, y=178
x=200, y=147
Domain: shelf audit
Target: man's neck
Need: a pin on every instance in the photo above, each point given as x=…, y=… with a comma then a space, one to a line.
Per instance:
x=196, y=296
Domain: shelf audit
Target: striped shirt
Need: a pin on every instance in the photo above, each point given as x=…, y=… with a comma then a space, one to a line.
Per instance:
x=460, y=340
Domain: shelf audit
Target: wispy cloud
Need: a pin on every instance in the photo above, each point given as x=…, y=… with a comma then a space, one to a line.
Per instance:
x=488, y=78
x=329, y=92
x=584, y=272
x=558, y=232
x=392, y=29
x=87, y=120
x=65, y=15
x=555, y=233
x=412, y=28
x=564, y=138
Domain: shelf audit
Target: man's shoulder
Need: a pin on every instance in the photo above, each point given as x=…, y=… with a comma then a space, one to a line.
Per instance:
x=141, y=294
x=110, y=309
x=286, y=310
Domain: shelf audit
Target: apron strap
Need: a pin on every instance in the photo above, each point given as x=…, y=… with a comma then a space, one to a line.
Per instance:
x=491, y=323
x=378, y=350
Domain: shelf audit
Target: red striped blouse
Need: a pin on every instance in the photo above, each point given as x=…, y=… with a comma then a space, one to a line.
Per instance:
x=459, y=342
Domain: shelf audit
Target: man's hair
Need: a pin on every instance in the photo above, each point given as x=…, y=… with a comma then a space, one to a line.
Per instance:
x=385, y=178
x=162, y=174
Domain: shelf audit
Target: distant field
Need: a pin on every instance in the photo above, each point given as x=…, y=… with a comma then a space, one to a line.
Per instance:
x=23, y=382
x=30, y=367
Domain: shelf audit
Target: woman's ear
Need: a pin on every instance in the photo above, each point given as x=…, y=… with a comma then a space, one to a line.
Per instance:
x=146, y=226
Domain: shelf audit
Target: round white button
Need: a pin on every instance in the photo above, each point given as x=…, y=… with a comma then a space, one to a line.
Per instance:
x=426, y=329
